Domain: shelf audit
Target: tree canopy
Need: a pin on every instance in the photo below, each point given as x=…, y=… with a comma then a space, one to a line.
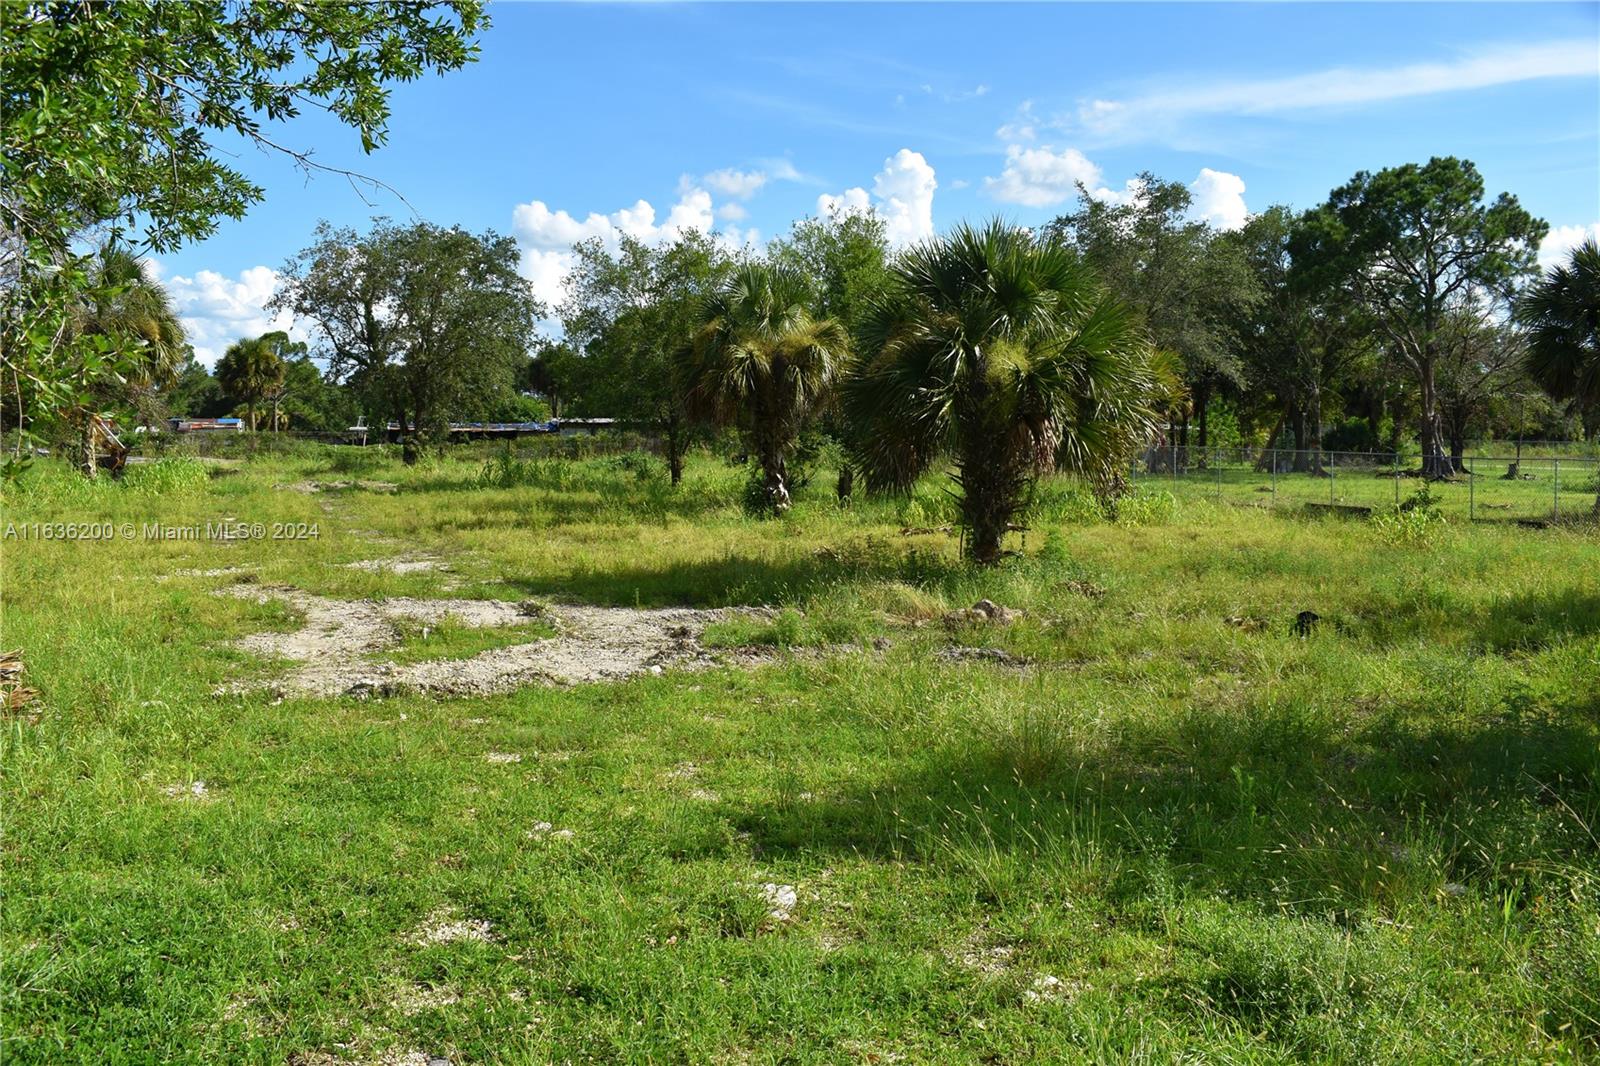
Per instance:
x=626, y=317
x=1188, y=282
x=113, y=114
x=420, y=319
x=1413, y=245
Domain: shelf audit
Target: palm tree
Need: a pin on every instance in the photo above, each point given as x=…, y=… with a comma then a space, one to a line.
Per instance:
x=761, y=359
x=250, y=371
x=146, y=341
x=1562, y=315
x=126, y=305
x=1004, y=352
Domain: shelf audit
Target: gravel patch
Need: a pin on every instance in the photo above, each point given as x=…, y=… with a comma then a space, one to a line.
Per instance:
x=221, y=571
x=195, y=790
x=334, y=650
x=444, y=926
x=335, y=486
x=546, y=831
x=402, y=565
x=414, y=999
x=1048, y=988
x=998, y=656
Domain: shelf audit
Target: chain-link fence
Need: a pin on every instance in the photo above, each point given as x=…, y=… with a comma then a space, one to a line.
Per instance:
x=1482, y=488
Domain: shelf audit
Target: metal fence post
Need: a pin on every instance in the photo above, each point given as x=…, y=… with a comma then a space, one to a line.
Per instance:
x=1330, y=476
x=1472, y=492
x=1217, y=468
x=1274, y=459
x=1555, y=493
x=1396, y=479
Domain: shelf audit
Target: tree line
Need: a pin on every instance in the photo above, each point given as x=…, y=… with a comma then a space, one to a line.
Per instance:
x=1405, y=308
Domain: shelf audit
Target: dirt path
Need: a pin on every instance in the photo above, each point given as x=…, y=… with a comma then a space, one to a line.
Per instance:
x=334, y=651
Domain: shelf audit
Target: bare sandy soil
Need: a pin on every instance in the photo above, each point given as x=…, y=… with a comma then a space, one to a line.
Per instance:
x=336, y=651
x=312, y=487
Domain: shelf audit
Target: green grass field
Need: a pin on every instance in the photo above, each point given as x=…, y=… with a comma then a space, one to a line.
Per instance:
x=1160, y=827
x=1545, y=487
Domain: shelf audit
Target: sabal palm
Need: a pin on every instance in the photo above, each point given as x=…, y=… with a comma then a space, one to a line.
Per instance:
x=760, y=358
x=135, y=314
x=249, y=370
x=1562, y=316
x=1005, y=353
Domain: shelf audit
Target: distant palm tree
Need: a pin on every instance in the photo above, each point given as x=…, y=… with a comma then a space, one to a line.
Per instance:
x=1004, y=352
x=250, y=371
x=761, y=359
x=134, y=312
x=1562, y=315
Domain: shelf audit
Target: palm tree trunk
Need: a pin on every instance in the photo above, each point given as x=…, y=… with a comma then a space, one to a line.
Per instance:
x=989, y=483
x=769, y=453
x=675, y=447
x=775, y=475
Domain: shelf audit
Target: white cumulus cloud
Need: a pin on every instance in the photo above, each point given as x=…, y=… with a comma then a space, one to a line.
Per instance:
x=1561, y=240
x=739, y=184
x=1041, y=177
x=1022, y=127
x=217, y=310
x=735, y=239
x=1219, y=199
x=547, y=236
x=902, y=195
x=850, y=202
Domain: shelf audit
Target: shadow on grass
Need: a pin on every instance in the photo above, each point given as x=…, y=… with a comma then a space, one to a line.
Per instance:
x=1537, y=620
x=1441, y=610
x=1293, y=809
x=746, y=579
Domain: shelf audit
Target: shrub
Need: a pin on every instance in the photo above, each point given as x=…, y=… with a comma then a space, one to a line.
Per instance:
x=1355, y=434
x=1416, y=522
x=1222, y=426
x=166, y=476
x=1066, y=501
x=1142, y=508
x=353, y=460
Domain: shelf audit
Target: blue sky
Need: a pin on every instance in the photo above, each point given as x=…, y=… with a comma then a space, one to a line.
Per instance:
x=594, y=120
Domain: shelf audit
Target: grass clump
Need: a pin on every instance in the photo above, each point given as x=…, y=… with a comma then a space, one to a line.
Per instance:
x=449, y=639
x=166, y=476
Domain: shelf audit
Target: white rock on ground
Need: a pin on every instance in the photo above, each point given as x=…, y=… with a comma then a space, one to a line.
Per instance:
x=545, y=831
x=782, y=900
